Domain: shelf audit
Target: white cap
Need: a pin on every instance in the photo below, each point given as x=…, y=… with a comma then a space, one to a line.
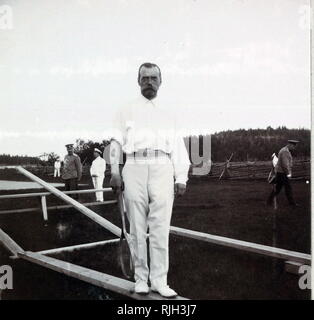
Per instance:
x=97, y=150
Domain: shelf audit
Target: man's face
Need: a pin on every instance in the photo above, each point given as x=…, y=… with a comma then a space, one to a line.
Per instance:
x=70, y=150
x=291, y=146
x=96, y=154
x=149, y=82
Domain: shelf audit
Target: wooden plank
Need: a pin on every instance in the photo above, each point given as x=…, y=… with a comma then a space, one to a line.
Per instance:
x=66, y=206
x=96, y=278
x=44, y=207
x=87, y=212
x=20, y=210
x=39, y=194
x=244, y=245
x=79, y=246
x=8, y=167
x=293, y=267
x=9, y=243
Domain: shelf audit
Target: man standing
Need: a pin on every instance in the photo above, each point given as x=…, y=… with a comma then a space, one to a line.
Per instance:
x=156, y=169
x=72, y=170
x=97, y=171
x=283, y=170
x=57, y=166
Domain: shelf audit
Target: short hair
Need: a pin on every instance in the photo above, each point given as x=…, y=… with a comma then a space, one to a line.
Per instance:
x=147, y=65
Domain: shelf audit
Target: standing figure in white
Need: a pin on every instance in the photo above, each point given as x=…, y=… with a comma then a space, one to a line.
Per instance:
x=57, y=166
x=97, y=171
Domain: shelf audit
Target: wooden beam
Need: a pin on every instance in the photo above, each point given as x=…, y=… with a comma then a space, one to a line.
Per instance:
x=293, y=267
x=44, y=207
x=66, y=206
x=39, y=194
x=87, y=212
x=244, y=245
x=79, y=246
x=9, y=243
x=96, y=278
x=8, y=167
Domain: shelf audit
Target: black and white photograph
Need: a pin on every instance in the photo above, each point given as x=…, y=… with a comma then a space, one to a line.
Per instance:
x=155, y=151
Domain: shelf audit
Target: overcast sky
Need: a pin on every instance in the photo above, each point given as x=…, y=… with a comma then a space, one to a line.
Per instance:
x=65, y=66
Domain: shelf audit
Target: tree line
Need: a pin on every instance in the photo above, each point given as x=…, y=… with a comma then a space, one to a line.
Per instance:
x=7, y=159
x=246, y=145
x=251, y=144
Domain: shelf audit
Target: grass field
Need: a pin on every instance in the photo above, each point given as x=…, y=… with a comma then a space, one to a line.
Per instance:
x=198, y=270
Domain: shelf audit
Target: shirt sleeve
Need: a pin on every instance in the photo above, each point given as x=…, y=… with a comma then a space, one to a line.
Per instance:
x=180, y=160
x=91, y=170
x=118, y=130
x=104, y=166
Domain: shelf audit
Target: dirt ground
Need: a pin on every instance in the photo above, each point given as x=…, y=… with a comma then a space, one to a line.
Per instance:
x=198, y=270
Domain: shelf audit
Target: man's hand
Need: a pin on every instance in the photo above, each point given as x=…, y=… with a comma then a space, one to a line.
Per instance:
x=289, y=176
x=179, y=189
x=116, y=183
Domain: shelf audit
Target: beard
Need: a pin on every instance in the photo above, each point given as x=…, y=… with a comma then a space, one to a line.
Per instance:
x=149, y=93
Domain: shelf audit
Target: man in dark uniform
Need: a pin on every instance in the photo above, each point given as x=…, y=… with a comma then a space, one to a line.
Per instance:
x=72, y=170
x=283, y=170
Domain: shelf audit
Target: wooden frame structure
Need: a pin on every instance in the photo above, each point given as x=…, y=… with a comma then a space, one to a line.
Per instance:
x=103, y=280
x=100, y=279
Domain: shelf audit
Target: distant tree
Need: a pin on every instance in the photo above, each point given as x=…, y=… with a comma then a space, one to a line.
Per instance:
x=253, y=144
x=85, y=150
x=52, y=157
x=7, y=159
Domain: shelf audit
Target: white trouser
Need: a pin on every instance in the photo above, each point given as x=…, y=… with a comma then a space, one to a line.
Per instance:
x=57, y=172
x=98, y=182
x=148, y=194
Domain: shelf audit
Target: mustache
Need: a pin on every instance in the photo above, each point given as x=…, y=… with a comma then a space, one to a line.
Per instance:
x=149, y=87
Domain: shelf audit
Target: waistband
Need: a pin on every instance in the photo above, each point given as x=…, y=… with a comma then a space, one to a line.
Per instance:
x=147, y=154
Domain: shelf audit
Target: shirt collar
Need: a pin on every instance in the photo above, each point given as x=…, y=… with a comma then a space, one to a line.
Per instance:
x=153, y=101
x=287, y=149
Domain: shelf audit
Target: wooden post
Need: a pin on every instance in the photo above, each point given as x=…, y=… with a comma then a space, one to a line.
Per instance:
x=44, y=207
x=275, y=203
x=275, y=197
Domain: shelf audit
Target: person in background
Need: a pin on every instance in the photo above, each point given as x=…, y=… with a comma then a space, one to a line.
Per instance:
x=72, y=170
x=283, y=170
x=97, y=171
x=57, y=166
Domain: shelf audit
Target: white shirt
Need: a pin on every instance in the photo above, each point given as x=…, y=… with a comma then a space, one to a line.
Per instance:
x=148, y=124
x=98, y=167
x=57, y=164
x=274, y=161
